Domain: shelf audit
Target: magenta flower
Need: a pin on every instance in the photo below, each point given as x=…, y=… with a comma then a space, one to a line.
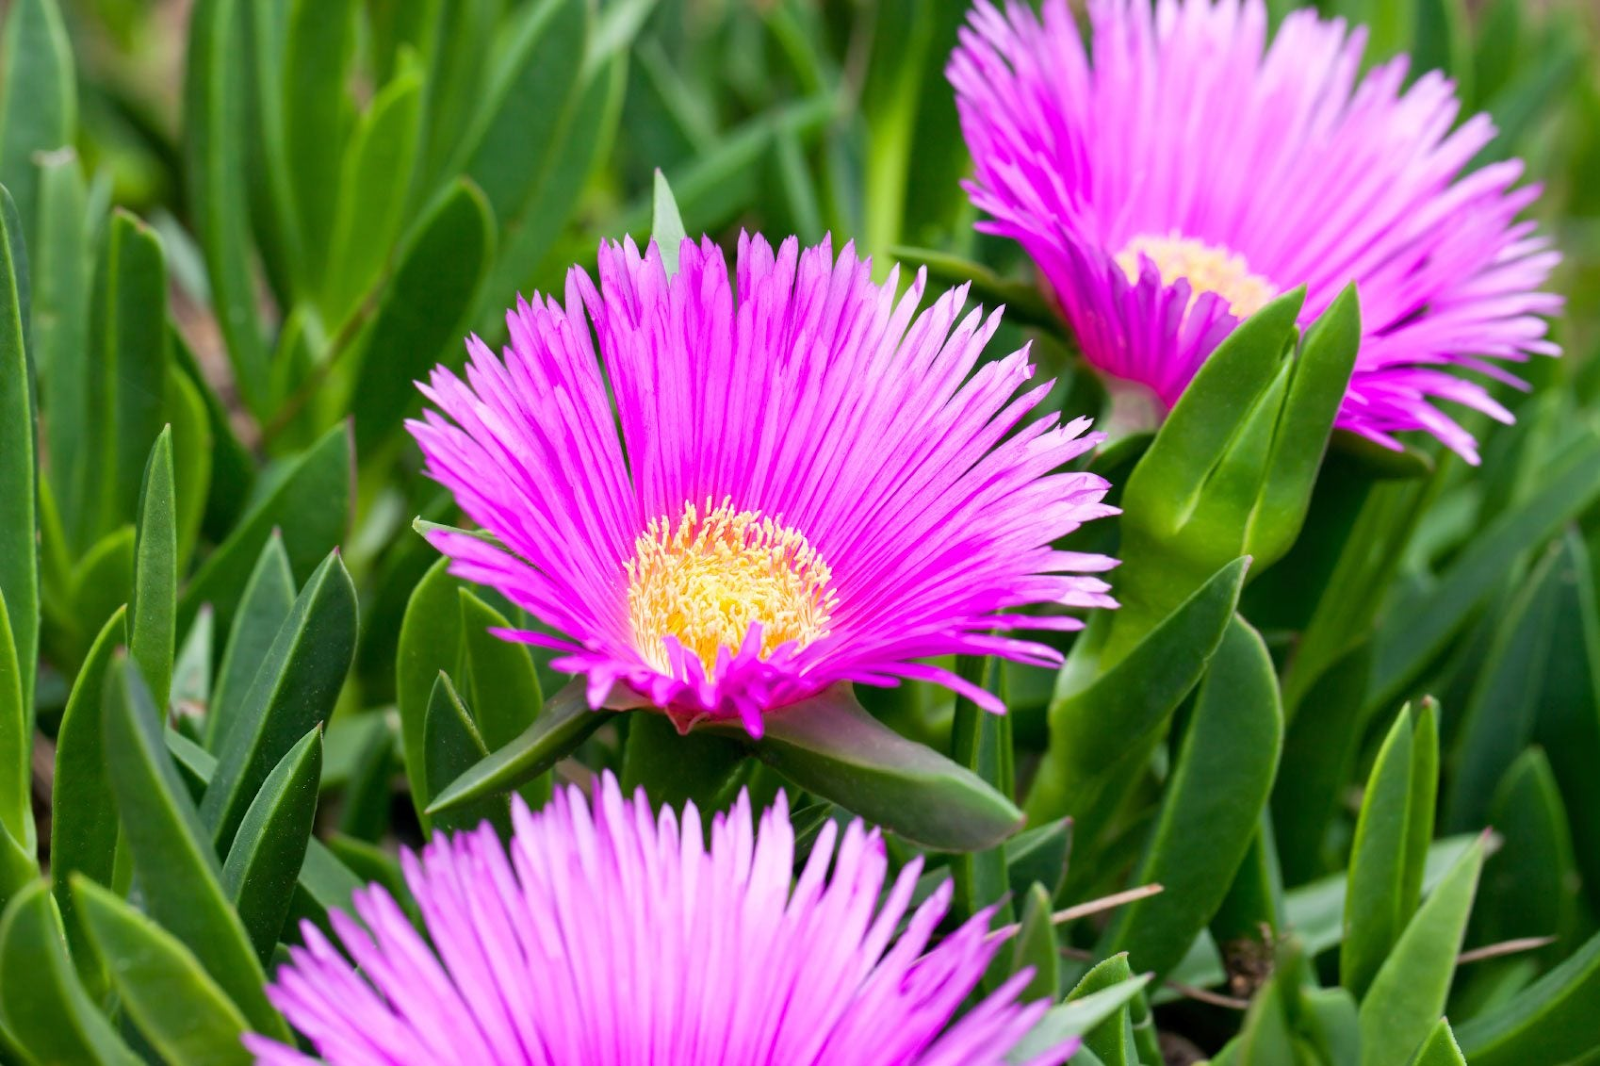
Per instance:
x=1191, y=172
x=611, y=938
x=807, y=485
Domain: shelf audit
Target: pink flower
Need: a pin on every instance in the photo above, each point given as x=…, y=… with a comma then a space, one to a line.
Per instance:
x=612, y=938
x=1190, y=173
x=737, y=502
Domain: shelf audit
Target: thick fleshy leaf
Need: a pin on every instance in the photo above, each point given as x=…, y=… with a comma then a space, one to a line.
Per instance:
x=83, y=823
x=161, y=985
x=1111, y=1040
x=673, y=770
x=43, y=1006
x=268, y=597
x=1097, y=716
x=232, y=475
x=1212, y=805
x=430, y=642
x=1530, y=886
x=982, y=742
x=191, y=672
x=192, y=444
x=295, y=690
x=1407, y=997
x=152, y=610
x=1440, y=1049
x=666, y=224
x=424, y=310
x=830, y=746
x=565, y=722
x=172, y=851
x=1552, y=1020
x=1035, y=945
x=19, y=467
x=453, y=747
x=317, y=116
x=16, y=739
x=1076, y=1017
x=60, y=264
x=498, y=681
x=270, y=847
x=38, y=99
x=310, y=506
x=214, y=131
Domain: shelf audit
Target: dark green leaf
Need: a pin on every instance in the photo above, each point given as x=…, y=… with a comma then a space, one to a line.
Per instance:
x=163, y=987
x=1319, y=751
x=19, y=467
x=981, y=741
x=831, y=747
x=60, y=262
x=270, y=847
x=16, y=740
x=453, y=747
x=424, y=310
x=1552, y=1020
x=268, y=597
x=103, y=580
x=83, y=823
x=295, y=689
x=498, y=676
x=232, y=474
x=317, y=119
x=674, y=770
x=43, y=1006
x=430, y=642
x=1530, y=885
x=172, y=851
x=38, y=100
x=1212, y=804
x=152, y=610
x=1035, y=945
x=191, y=458
x=565, y=722
x=1407, y=996
x=310, y=505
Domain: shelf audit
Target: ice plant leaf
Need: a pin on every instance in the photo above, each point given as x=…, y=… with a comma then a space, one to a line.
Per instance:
x=498, y=677
x=1076, y=1017
x=191, y=459
x=270, y=847
x=666, y=224
x=160, y=983
x=317, y=116
x=453, y=745
x=565, y=722
x=429, y=642
x=16, y=740
x=1531, y=885
x=1211, y=806
x=19, y=526
x=266, y=601
x=1111, y=1040
x=1552, y=1020
x=214, y=131
x=294, y=690
x=60, y=264
x=310, y=506
x=172, y=851
x=1096, y=715
x=1440, y=1049
x=1408, y=994
x=38, y=101
x=153, y=607
x=83, y=823
x=424, y=308
x=829, y=745
x=1035, y=945
x=44, y=1008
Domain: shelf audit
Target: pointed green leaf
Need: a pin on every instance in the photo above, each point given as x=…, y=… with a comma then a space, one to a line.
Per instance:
x=1111, y=1040
x=666, y=224
x=674, y=770
x=498, y=680
x=317, y=118
x=295, y=690
x=214, y=131
x=310, y=505
x=1097, y=715
x=1211, y=810
x=191, y=459
x=1407, y=996
x=38, y=99
x=18, y=869
x=19, y=524
x=424, y=310
x=42, y=1004
x=1552, y=1020
x=430, y=642
x=1076, y=1017
x=270, y=847
x=454, y=747
x=60, y=262
x=232, y=474
x=268, y=597
x=1375, y=910
x=191, y=673
x=1035, y=946
x=172, y=851
x=1440, y=1049
x=103, y=580
x=16, y=740
x=1530, y=885
x=163, y=987
x=83, y=823
x=565, y=722
x=152, y=610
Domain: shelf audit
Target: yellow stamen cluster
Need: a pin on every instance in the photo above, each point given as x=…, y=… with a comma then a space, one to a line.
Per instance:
x=706, y=578
x=1208, y=268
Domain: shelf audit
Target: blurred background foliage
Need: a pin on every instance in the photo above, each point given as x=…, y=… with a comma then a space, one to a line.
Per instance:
x=258, y=221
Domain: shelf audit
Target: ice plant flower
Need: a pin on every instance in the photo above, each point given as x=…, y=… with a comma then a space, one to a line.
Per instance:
x=610, y=937
x=1190, y=172
x=738, y=501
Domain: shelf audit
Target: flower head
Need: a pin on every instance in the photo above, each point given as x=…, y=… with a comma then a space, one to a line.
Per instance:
x=1191, y=172
x=741, y=500
x=609, y=938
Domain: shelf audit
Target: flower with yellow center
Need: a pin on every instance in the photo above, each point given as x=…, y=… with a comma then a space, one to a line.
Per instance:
x=707, y=578
x=1206, y=267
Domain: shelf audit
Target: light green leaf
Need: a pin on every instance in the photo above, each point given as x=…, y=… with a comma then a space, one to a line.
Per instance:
x=295, y=689
x=498, y=676
x=1111, y=1040
x=163, y=987
x=172, y=851
x=270, y=847
x=1075, y=1017
x=154, y=605
x=1440, y=1049
x=666, y=224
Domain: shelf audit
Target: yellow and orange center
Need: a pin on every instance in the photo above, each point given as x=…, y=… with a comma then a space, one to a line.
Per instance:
x=705, y=578
x=1207, y=267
